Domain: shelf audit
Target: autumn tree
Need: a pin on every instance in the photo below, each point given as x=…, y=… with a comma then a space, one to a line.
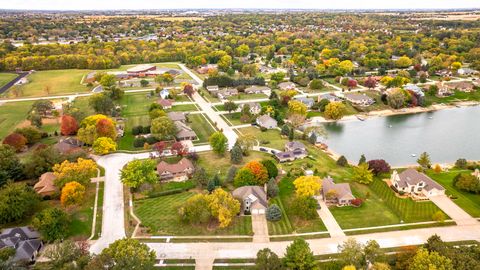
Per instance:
x=362, y=174
x=299, y=256
x=404, y=62
x=259, y=172
x=179, y=148
x=15, y=140
x=246, y=143
x=52, y=223
x=307, y=186
x=137, y=172
x=69, y=125
x=425, y=260
x=80, y=171
x=188, y=90
x=72, y=193
x=396, y=98
x=335, y=110
x=129, y=253
x=297, y=107
x=350, y=252
x=163, y=128
x=104, y=145
x=106, y=128
x=378, y=166
x=370, y=82
x=223, y=206
x=218, y=142
x=196, y=210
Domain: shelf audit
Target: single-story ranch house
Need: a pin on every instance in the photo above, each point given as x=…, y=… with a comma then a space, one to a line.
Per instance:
x=293, y=150
x=267, y=122
x=359, y=99
x=336, y=194
x=178, y=172
x=414, y=183
x=253, y=199
x=46, y=185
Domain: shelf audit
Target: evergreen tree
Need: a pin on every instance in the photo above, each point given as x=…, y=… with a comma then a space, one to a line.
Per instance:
x=211, y=186
x=342, y=161
x=231, y=174
x=236, y=155
x=285, y=130
x=291, y=134
x=216, y=180
x=362, y=159
x=313, y=138
x=424, y=160
x=272, y=188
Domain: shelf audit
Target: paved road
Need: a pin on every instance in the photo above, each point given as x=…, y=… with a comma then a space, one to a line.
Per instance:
x=330, y=222
x=453, y=210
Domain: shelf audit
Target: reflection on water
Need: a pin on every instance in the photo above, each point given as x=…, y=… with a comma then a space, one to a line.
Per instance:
x=446, y=135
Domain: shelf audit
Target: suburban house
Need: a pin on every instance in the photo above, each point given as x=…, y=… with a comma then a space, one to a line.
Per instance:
x=90, y=78
x=359, y=99
x=177, y=172
x=443, y=90
x=140, y=69
x=46, y=185
x=68, y=145
x=307, y=101
x=329, y=97
x=212, y=89
x=336, y=194
x=206, y=68
x=287, y=86
x=461, y=86
x=24, y=240
x=415, y=89
x=164, y=93
x=293, y=150
x=415, y=183
x=228, y=92
x=177, y=116
x=253, y=199
x=184, y=132
x=255, y=107
x=443, y=73
x=255, y=89
x=466, y=71
x=265, y=121
x=165, y=103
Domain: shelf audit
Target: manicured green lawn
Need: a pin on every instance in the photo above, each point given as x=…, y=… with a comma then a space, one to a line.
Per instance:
x=82, y=216
x=82, y=104
x=467, y=201
x=64, y=81
x=135, y=110
x=206, y=95
x=183, y=108
x=407, y=209
x=233, y=118
x=457, y=96
x=6, y=78
x=270, y=138
x=214, y=164
x=11, y=114
x=160, y=216
x=283, y=226
x=247, y=96
x=201, y=126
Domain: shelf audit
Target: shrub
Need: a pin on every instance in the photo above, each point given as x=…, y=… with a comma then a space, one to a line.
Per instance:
x=52, y=223
x=273, y=213
x=438, y=216
x=139, y=142
x=15, y=140
x=32, y=134
x=342, y=161
x=136, y=130
x=151, y=140
x=146, y=130
x=378, y=166
x=357, y=202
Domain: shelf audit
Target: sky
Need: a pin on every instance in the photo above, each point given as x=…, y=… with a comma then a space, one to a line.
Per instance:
x=263, y=4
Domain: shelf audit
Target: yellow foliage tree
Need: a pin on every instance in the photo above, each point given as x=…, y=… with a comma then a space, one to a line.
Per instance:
x=307, y=186
x=72, y=193
x=335, y=110
x=104, y=145
x=80, y=171
x=223, y=206
x=437, y=168
x=297, y=107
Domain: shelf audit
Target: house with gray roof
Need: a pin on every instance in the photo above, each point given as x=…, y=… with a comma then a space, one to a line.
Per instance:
x=253, y=199
x=307, y=101
x=184, y=132
x=228, y=92
x=287, y=86
x=254, y=107
x=293, y=150
x=266, y=121
x=255, y=89
x=24, y=240
x=415, y=184
x=177, y=116
x=336, y=194
x=466, y=71
x=329, y=97
x=415, y=88
x=359, y=99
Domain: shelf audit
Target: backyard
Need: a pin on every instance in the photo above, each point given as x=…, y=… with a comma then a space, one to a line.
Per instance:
x=270, y=138
x=202, y=126
x=11, y=114
x=214, y=164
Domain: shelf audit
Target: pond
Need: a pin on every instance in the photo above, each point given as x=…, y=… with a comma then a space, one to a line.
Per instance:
x=446, y=135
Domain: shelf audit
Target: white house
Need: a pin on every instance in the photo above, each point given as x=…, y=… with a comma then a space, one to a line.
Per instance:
x=415, y=183
x=164, y=93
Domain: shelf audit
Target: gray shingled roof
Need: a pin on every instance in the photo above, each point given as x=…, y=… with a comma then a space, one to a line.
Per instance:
x=413, y=177
x=243, y=192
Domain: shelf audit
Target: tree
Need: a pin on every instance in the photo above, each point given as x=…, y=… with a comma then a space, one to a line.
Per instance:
x=65, y=254
x=224, y=63
x=380, y=266
x=163, y=128
x=179, y=148
x=425, y=260
x=188, y=90
x=42, y=107
x=272, y=188
x=461, y=163
x=144, y=83
x=72, y=193
x=307, y=186
x=297, y=107
x=16, y=202
x=35, y=119
x=299, y=256
x=210, y=186
x=438, y=216
x=244, y=177
x=362, y=159
x=362, y=174
x=370, y=82
x=69, y=125
x=351, y=253
x=404, y=62
x=242, y=50
x=223, y=206
x=378, y=166
x=138, y=172
x=80, y=171
x=232, y=171
x=196, y=210
x=10, y=166
x=108, y=81
x=372, y=252
x=157, y=113
x=129, y=253
x=15, y=140
x=342, y=161
x=335, y=110
x=52, y=223
x=271, y=168
x=104, y=145
x=236, y=155
x=467, y=182
x=101, y=103
x=230, y=106
x=246, y=143
x=267, y=260
x=106, y=128
x=32, y=134
x=396, y=99
x=305, y=207
x=273, y=213
x=424, y=160
x=218, y=142
x=285, y=130
x=351, y=83
x=259, y=172
x=200, y=176
x=316, y=84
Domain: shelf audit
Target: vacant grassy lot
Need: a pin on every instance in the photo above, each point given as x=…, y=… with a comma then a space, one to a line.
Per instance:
x=51, y=82
x=467, y=201
x=233, y=118
x=201, y=126
x=214, y=164
x=11, y=114
x=407, y=209
x=160, y=216
x=270, y=138
x=6, y=78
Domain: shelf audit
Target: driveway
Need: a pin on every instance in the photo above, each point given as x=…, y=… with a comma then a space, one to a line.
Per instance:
x=329, y=220
x=453, y=210
x=260, y=228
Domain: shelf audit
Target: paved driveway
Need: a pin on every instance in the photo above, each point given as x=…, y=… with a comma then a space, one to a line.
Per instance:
x=453, y=210
x=260, y=228
x=329, y=221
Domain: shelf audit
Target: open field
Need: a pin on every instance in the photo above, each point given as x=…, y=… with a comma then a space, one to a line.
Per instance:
x=11, y=114
x=6, y=78
x=183, y=108
x=270, y=138
x=160, y=216
x=50, y=82
x=467, y=201
x=201, y=126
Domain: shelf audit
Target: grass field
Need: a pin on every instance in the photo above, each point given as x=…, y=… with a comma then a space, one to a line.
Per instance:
x=201, y=126
x=6, y=78
x=11, y=114
x=467, y=201
x=213, y=164
x=247, y=96
x=64, y=81
x=233, y=118
x=160, y=215
x=270, y=138
x=183, y=108
x=283, y=226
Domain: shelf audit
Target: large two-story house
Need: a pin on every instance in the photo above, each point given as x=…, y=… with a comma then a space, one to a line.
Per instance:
x=415, y=183
x=293, y=150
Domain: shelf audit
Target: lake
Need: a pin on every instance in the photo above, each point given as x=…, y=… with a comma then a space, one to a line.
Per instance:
x=446, y=135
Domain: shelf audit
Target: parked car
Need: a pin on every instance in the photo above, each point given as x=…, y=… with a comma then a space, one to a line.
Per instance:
x=263, y=149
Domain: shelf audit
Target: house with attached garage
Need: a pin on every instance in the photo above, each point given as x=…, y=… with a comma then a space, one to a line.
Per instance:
x=254, y=107
x=165, y=103
x=287, y=86
x=307, y=101
x=329, y=97
x=359, y=99
x=255, y=89
x=177, y=172
x=415, y=184
x=336, y=194
x=228, y=92
x=253, y=199
x=265, y=121
x=184, y=132
x=46, y=185
x=25, y=241
x=293, y=150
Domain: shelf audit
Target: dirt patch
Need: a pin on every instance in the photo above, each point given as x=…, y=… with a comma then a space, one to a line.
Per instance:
x=45, y=121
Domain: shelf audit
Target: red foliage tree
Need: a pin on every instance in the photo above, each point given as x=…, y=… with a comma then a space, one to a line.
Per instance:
x=259, y=171
x=351, y=83
x=378, y=166
x=357, y=202
x=160, y=147
x=179, y=148
x=413, y=99
x=417, y=67
x=15, y=140
x=105, y=128
x=188, y=90
x=370, y=82
x=69, y=125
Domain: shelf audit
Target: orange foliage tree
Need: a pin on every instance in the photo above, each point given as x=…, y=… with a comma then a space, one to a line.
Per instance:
x=72, y=193
x=259, y=171
x=15, y=140
x=106, y=128
x=69, y=125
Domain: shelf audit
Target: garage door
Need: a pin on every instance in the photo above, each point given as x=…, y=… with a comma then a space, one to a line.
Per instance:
x=254, y=211
x=258, y=211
